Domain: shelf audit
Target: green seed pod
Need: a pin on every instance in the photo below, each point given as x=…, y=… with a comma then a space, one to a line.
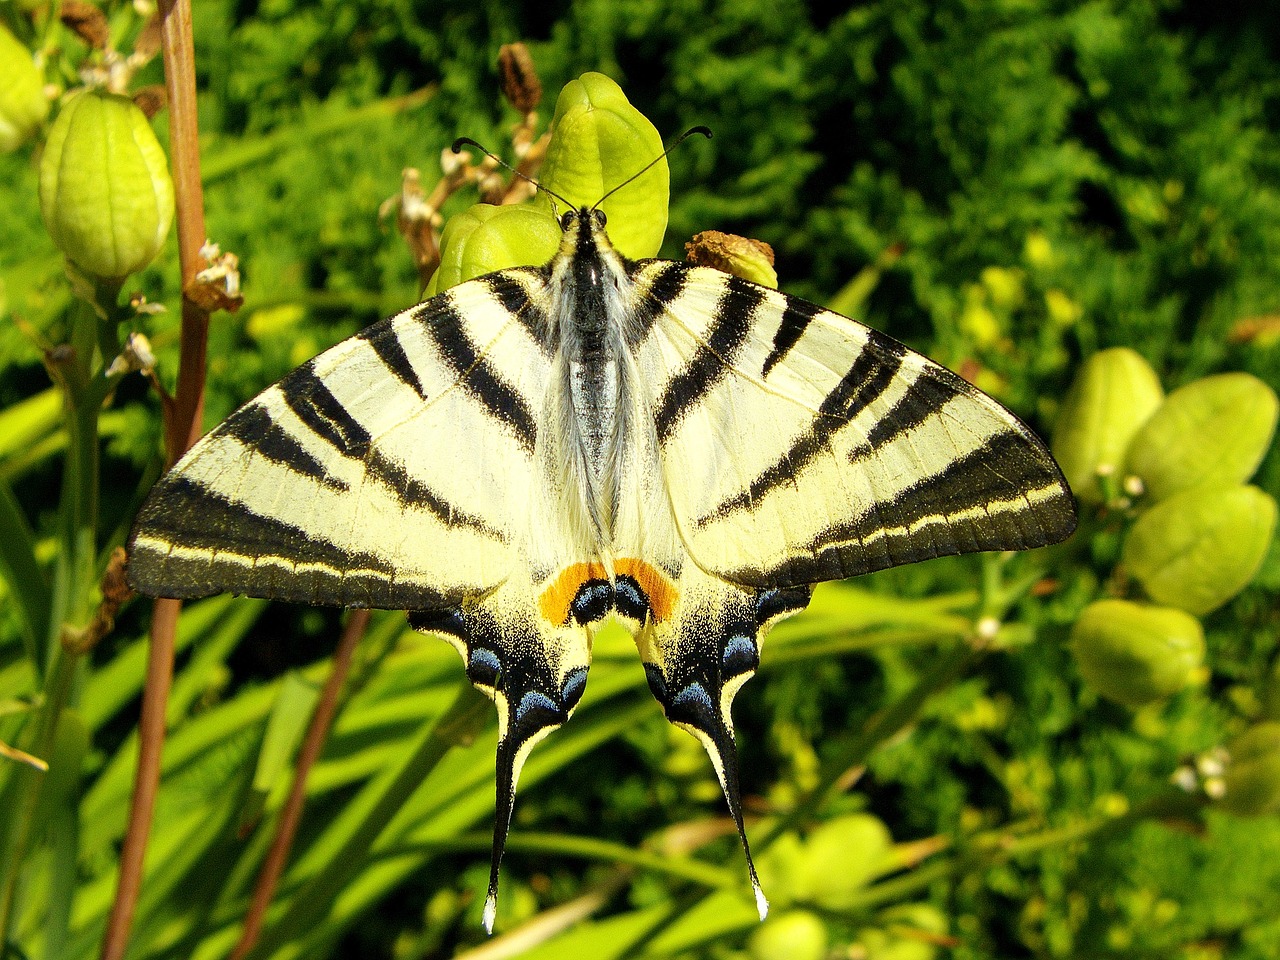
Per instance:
x=486, y=238
x=794, y=935
x=841, y=857
x=598, y=141
x=1252, y=778
x=1213, y=432
x=1136, y=654
x=1110, y=398
x=1199, y=548
x=23, y=105
x=105, y=191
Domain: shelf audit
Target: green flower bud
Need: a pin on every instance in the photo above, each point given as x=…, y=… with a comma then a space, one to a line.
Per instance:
x=1252, y=779
x=1110, y=398
x=795, y=935
x=23, y=105
x=1136, y=654
x=1214, y=431
x=598, y=141
x=105, y=191
x=841, y=856
x=1199, y=548
x=486, y=238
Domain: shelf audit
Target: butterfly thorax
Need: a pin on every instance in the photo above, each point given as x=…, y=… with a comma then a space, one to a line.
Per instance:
x=590, y=286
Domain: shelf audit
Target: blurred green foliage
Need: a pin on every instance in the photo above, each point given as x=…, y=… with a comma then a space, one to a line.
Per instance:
x=1033, y=181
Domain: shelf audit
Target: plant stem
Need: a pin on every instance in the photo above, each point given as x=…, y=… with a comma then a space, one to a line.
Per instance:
x=182, y=428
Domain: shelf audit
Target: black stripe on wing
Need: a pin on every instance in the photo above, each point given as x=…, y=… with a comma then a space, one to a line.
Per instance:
x=323, y=413
x=251, y=554
x=872, y=373
x=412, y=492
x=924, y=520
x=795, y=321
x=386, y=344
x=252, y=426
x=713, y=357
x=509, y=291
x=447, y=329
x=664, y=283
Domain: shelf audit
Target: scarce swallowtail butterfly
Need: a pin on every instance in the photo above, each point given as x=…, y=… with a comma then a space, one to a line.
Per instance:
x=529, y=453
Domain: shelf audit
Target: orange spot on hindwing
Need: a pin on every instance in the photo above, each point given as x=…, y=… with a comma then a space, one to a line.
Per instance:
x=557, y=597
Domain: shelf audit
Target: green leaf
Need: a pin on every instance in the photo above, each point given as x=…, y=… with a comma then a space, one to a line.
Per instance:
x=28, y=588
x=598, y=141
x=295, y=702
x=486, y=238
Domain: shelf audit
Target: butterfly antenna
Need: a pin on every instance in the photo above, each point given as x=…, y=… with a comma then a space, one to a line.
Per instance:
x=468, y=142
x=704, y=131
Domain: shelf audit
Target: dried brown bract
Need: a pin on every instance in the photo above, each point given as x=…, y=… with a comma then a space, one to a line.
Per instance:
x=520, y=83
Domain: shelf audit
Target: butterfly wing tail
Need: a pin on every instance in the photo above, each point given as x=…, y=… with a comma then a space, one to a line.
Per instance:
x=698, y=659
x=535, y=673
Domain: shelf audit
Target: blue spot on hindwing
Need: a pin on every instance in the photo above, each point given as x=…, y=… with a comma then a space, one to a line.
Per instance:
x=592, y=602
x=740, y=656
x=776, y=601
x=692, y=705
x=574, y=684
x=484, y=667
x=631, y=601
x=537, y=710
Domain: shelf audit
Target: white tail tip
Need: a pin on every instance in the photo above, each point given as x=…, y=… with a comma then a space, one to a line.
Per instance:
x=762, y=905
x=490, y=913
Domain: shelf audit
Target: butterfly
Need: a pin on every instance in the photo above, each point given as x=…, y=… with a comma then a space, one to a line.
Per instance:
x=532, y=452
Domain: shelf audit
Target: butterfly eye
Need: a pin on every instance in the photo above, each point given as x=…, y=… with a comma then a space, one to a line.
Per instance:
x=600, y=218
x=567, y=219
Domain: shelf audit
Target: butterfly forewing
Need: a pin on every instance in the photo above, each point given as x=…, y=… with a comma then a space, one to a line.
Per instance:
x=377, y=474
x=807, y=447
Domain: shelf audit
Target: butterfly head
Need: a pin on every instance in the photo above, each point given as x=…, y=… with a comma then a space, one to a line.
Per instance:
x=583, y=218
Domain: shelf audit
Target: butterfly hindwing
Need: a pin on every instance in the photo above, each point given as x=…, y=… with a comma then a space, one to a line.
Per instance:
x=800, y=446
x=697, y=654
x=378, y=474
x=533, y=667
